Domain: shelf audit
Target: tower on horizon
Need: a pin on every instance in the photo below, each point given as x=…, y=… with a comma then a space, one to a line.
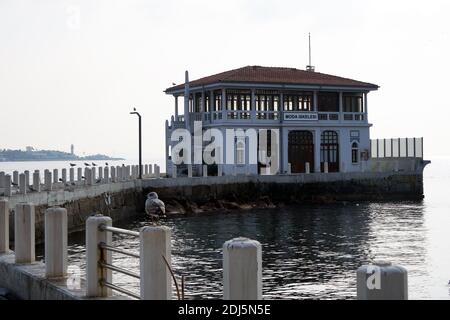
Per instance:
x=72, y=149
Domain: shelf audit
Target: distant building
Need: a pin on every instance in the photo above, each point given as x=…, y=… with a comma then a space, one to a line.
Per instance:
x=72, y=149
x=29, y=149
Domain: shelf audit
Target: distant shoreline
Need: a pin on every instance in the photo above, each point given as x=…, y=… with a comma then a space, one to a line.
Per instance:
x=43, y=160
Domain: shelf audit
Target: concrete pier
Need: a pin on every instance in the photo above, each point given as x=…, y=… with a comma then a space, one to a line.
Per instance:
x=22, y=184
x=27, y=178
x=24, y=231
x=72, y=175
x=55, y=242
x=4, y=226
x=16, y=178
x=156, y=281
x=37, y=181
x=64, y=175
x=55, y=176
x=79, y=174
x=106, y=178
x=8, y=190
x=242, y=270
x=47, y=180
x=2, y=179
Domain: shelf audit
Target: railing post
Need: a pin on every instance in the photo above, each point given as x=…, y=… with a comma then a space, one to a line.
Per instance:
x=94, y=273
x=48, y=180
x=325, y=167
x=382, y=281
x=113, y=174
x=22, y=184
x=2, y=179
x=242, y=270
x=100, y=174
x=156, y=281
x=79, y=174
x=24, y=231
x=55, y=242
x=106, y=175
x=55, y=176
x=150, y=169
x=16, y=177
x=146, y=170
x=72, y=175
x=157, y=172
x=307, y=168
x=7, y=190
x=189, y=167
x=4, y=226
x=64, y=175
x=27, y=178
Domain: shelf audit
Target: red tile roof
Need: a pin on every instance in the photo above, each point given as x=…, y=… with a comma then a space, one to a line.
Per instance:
x=276, y=75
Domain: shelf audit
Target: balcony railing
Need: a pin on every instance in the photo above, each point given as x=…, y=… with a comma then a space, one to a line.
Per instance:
x=397, y=148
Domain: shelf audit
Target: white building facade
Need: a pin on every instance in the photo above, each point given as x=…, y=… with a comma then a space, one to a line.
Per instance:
x=321, y=120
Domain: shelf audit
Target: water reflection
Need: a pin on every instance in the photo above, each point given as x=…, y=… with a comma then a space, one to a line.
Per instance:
x=308, y=251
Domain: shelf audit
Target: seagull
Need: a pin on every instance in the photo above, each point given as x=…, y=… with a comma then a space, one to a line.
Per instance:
x=98, y=181
x=14, y=184
x=94, y=164
x=72, y=164
x=106, y=163
x=87, y=164
x=31, y=188
x=60, y=179
x=174, y=84
x=154, y=207
x=82, y=177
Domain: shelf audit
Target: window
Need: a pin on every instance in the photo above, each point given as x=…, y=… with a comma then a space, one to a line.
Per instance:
x=355, y=151
x=240, y=152
x=353, y=102
x=217, y=100
x=301, y=101
x=328, y=101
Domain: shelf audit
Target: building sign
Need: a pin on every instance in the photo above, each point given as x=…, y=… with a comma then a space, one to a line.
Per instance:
x=300, y=116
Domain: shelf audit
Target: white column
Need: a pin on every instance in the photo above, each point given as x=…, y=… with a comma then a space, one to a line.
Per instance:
x=55, y=242
x=156, y=281
x=16, y=177
x=2, y=179
x=100, y=174
x=55, y=176
x=7, y=191
x=4, y=226
x=242, y=270
x=150, y=169
x=307, y=167
x=37, y=181
x=113, y=174
x=315, y=102
x=219, y=170
x=317, y=136
x=224, y=105
x=325, y=167
x=27, y=178
x=24, y=231
x=382, y=281
x=22, y=184
x=253, y=106
x=106, y=175
x=157, y=172
x=79, y=174
x=71, y=175
x=94, y=273
x=47, y=180
x=64, y=175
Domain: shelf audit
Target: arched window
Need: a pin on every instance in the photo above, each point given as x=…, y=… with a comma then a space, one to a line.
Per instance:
x=240, y=152
x=355, y=157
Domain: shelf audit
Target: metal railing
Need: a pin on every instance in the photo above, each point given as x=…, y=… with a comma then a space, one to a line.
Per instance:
x=397, y=148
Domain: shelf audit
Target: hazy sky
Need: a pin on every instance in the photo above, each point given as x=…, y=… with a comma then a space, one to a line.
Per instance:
x=70, y=71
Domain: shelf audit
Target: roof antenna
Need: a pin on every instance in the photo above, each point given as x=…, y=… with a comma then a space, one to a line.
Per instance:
x=309, y=67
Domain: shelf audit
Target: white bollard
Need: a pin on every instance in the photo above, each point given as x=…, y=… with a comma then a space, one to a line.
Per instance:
x=307, y=168
x=289, y=170
x=93, y=174
x=79, y=174
x=4, y=226
x=118, y=173
x=106, y=175
x=22, y=184
x=94, y=273
x=55, y=176
x=157, y=172
x=16, y=177
x=219, y=170
x=205, y=170
x=100, y=174
x=55, y=242
x=146, y=170
x=382, y=281
x=72, y=175
x=174, y=171
x=113, y=174
x=24, y=231
x=189, y=167
x=7, y=190
x=27, y=178
x=36, y=181
x=156, y=281
x=396, y=166
x=325, y=167
x=2, y=179
x=64, y=175
x=242, y=270
x=150, y=169
x=47, y=180
x=128, y=173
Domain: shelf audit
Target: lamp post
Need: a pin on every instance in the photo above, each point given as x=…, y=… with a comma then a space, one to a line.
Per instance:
x=140, y=142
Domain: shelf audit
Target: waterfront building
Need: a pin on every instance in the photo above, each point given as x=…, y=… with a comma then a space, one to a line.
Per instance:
x=322, y=119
